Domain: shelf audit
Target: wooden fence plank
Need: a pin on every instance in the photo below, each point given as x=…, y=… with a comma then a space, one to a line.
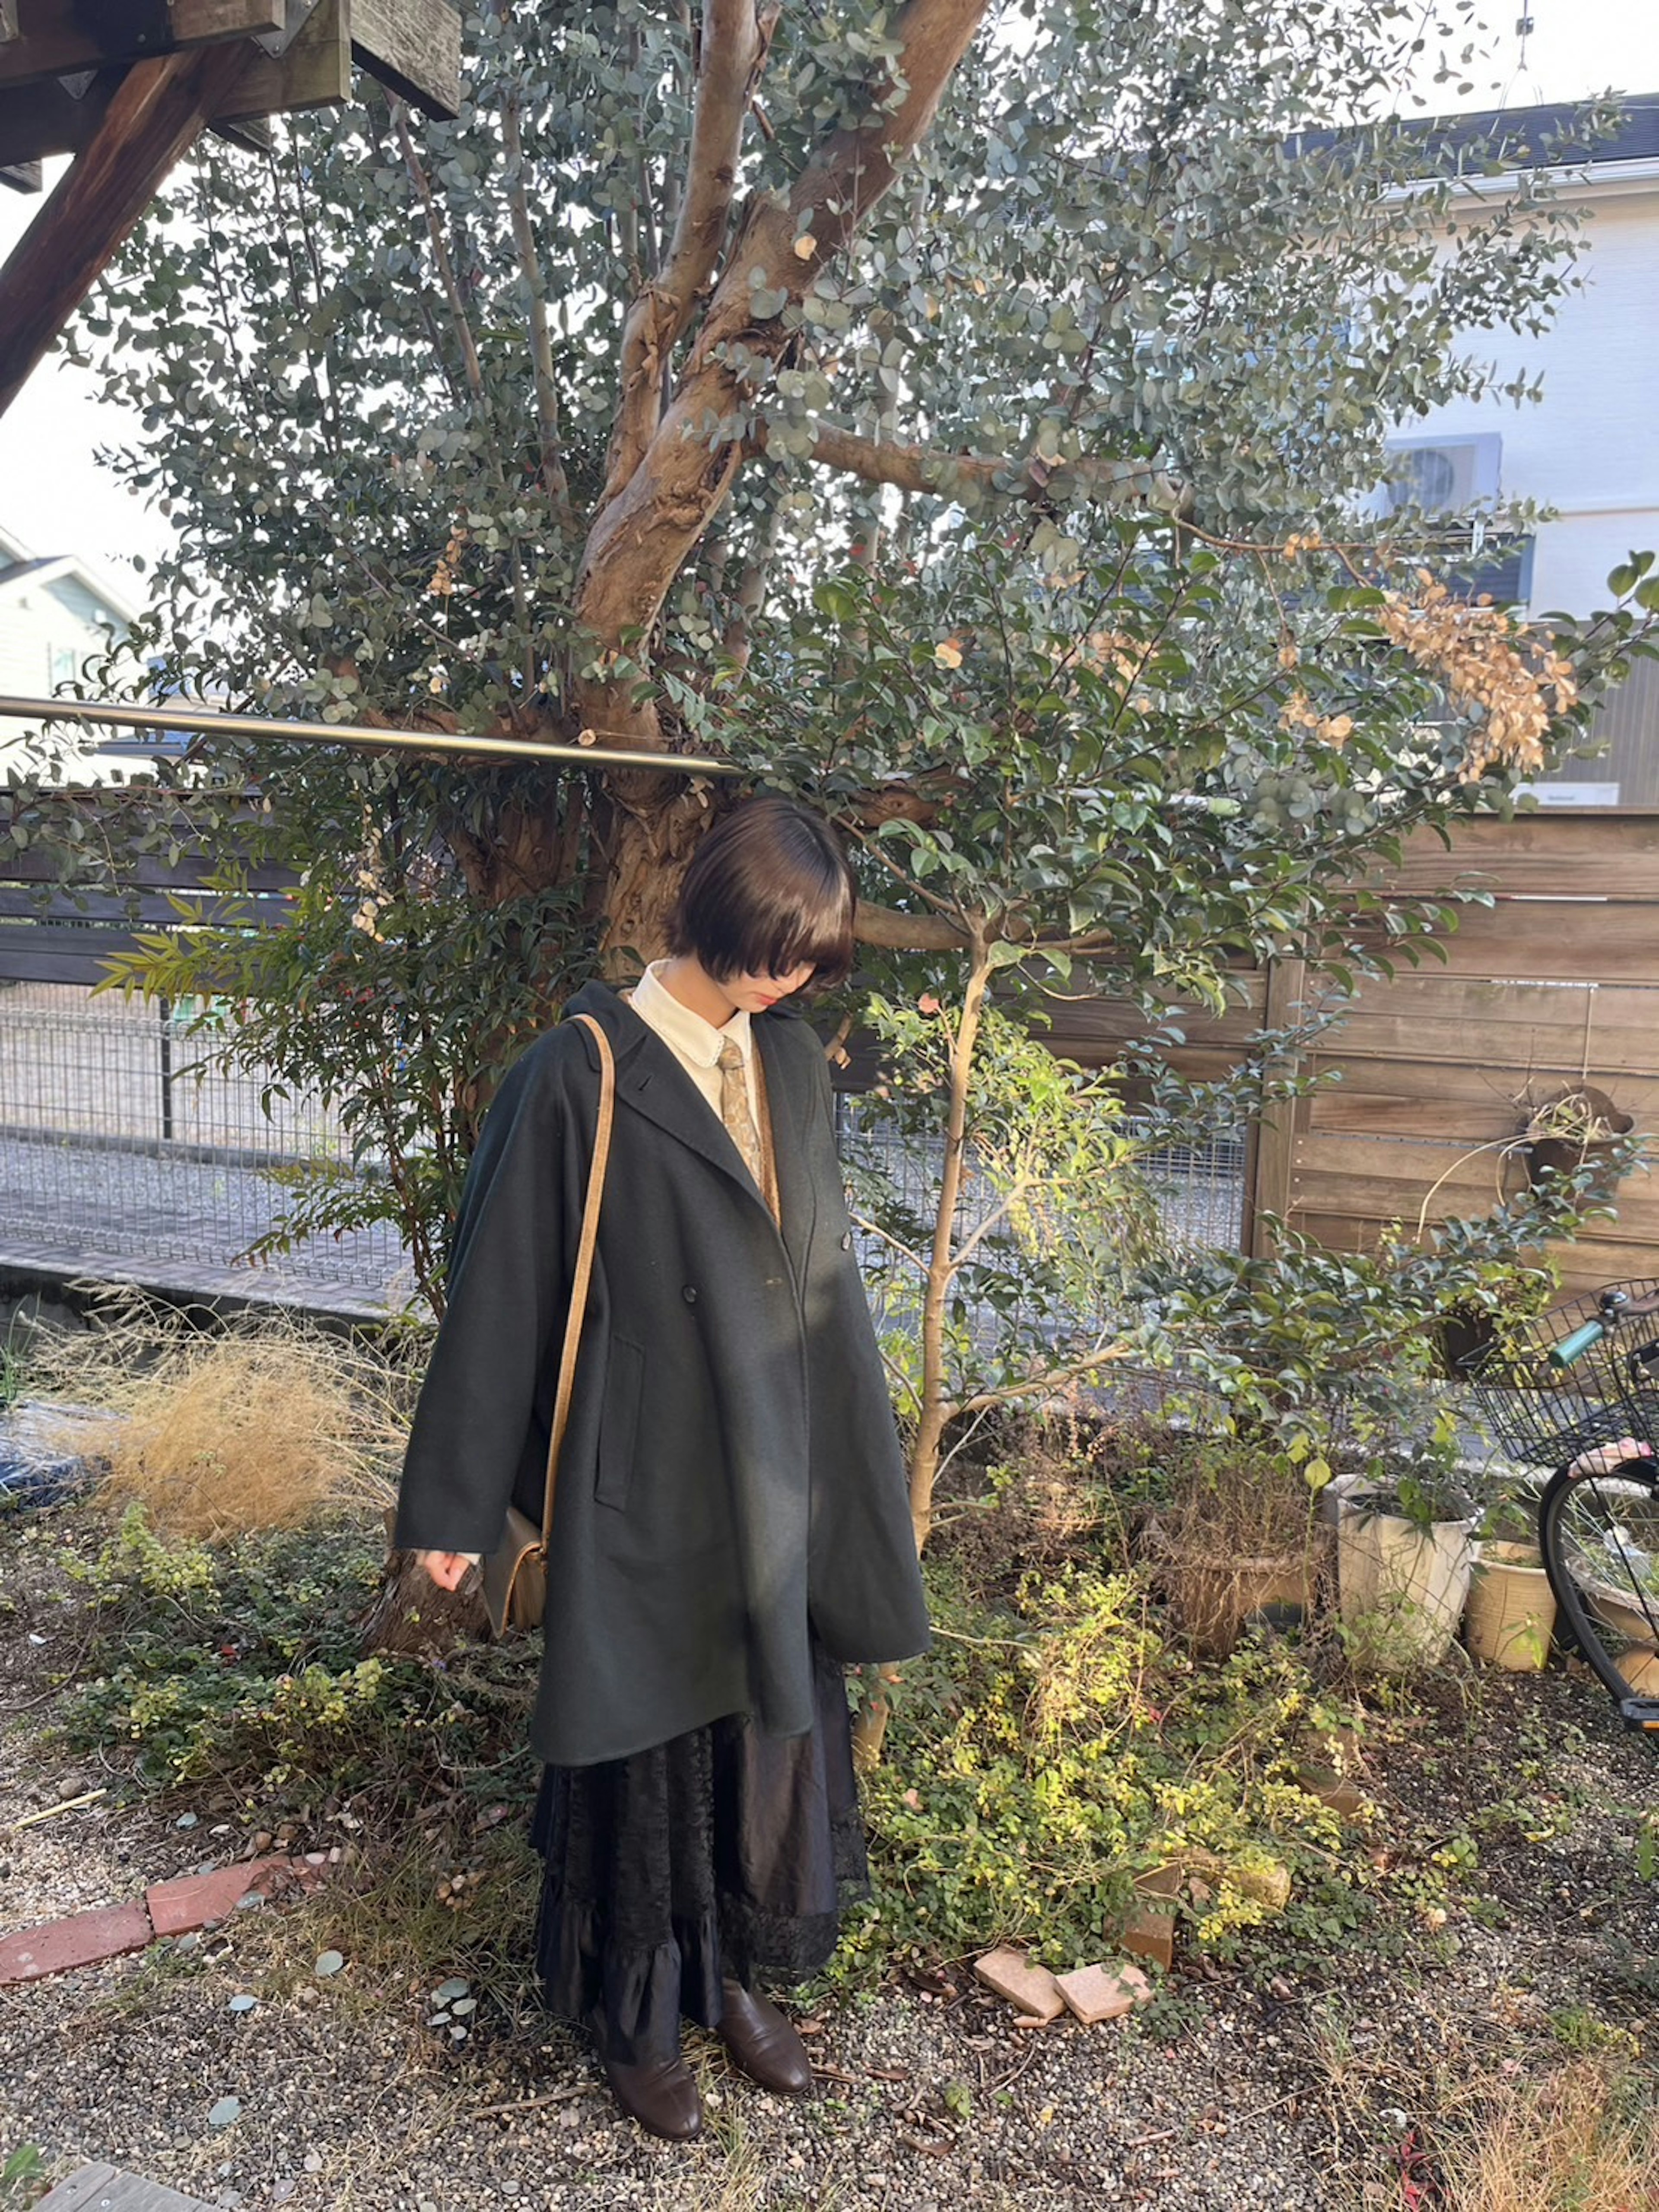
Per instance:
x=1461, y=1020
x=34, y=965
x=1607, y=941
x=1553, y=853
x=1097, y=1029
x=143, y=910
x=1474, y=1101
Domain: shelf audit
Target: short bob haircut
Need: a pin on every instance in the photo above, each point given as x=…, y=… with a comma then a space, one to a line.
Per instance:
x=768, y=888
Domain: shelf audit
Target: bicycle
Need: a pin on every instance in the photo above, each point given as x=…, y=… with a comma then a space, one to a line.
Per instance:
x=1577, y=1391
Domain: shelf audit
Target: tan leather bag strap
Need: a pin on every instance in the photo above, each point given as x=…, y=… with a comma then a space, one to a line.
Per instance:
x=572, y=1325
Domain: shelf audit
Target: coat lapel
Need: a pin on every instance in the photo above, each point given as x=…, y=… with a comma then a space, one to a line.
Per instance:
x=651, y=1081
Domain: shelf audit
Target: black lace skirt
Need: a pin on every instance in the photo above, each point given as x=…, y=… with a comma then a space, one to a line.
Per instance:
x=722, y=1851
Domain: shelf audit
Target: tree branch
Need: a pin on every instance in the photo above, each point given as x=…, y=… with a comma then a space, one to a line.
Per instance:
x=655, y=515
x=441, y=255
x=982, y=1400
x=735, y=38
x=905, y=932
x=555, y=482
x=924, y=469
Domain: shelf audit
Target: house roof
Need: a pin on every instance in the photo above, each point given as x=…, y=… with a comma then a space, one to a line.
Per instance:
x=1549, y=136
x=19, y=567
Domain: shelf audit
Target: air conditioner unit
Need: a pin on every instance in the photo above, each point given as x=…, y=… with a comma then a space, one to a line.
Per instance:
x=1443, y=476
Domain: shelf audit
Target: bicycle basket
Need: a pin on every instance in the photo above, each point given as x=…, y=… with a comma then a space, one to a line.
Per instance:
x=1544, y=1413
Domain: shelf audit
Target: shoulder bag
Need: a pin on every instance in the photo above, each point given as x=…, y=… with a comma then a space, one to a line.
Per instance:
x=514, y=1575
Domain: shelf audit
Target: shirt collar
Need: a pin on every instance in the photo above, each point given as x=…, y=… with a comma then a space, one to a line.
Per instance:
x=698, y=1041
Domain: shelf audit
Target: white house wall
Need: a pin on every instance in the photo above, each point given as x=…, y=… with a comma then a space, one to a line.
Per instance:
x=1590, y=448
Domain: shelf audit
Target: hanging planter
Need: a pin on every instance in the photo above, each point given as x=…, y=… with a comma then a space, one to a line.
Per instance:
x=1512, y=1609
x=1565, y=1134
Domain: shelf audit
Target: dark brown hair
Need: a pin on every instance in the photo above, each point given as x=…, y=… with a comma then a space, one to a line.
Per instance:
x=768, y=888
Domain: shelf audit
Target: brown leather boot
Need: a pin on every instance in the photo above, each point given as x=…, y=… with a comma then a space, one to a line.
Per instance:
x=762, y=2042
x=660, y=2095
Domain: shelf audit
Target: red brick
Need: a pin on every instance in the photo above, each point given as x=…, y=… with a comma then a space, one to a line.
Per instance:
x=175, y=1907
x=1031, y=1989
x=1097, y=1993
x=82, y=1939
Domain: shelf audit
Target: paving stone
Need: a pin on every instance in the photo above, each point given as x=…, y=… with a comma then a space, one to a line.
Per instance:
x=1097, y=1993
x=193, y=1899
x=1344, y=1798
x=1030, y=1988
x=1149, y=1934
x=81, y=1939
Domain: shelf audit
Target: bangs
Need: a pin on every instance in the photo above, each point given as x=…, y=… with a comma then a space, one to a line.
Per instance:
x=768, y=888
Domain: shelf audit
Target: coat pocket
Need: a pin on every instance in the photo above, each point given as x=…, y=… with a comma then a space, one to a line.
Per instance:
x=619, y=1421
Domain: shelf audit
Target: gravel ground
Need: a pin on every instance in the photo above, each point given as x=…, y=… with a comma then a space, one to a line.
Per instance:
x=1282, y=2082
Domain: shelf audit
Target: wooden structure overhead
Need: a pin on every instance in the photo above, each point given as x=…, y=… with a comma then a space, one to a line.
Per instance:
x=126, y=87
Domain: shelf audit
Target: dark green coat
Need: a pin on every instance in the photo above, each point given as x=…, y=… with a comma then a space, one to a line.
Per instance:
x=731, y=1471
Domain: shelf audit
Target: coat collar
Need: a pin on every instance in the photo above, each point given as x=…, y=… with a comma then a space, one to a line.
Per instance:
x=651, y=1081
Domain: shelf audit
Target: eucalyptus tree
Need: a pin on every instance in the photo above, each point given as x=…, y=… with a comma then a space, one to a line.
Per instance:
x=608, y=412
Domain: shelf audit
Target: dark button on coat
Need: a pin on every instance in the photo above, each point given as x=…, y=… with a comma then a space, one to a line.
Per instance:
x=730, y=1472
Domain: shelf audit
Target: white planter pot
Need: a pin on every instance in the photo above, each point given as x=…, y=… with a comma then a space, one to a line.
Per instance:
x=1400, y=1588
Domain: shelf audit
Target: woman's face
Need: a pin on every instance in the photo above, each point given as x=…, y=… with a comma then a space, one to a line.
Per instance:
x=753, y=994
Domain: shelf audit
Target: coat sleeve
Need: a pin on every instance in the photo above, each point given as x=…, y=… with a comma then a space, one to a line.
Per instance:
x=506, y=1292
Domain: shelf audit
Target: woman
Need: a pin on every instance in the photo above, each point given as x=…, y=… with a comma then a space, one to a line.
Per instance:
x=730, y=1520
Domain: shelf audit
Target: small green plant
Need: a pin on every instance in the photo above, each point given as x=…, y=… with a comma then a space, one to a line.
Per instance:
x=1053, y=1748
x=24, y=2168
x=136, y=1569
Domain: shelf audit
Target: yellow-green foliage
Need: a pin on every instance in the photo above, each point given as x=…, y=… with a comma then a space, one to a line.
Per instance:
x=1044, y=1756
x=241, y=1664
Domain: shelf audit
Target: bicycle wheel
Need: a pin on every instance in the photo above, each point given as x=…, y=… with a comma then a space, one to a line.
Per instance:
x=1600, y=1537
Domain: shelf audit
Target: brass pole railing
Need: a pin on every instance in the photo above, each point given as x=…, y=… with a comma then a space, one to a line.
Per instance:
x=127, y=716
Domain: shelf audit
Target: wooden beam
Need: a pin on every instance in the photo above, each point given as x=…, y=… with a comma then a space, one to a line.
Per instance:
x=22, y=176
x=156, y=114
x=49, y=38
x=414, y=48
x=315, y=71
x=40, y=120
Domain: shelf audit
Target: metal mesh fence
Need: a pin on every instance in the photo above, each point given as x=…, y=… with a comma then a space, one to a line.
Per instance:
x=120, y=1154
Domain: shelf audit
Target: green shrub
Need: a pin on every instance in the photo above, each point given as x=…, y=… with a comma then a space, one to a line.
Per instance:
x=1052, y=1748
x=242, y=1666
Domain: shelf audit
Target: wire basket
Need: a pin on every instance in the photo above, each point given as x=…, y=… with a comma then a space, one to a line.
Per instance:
x=1543, y=1411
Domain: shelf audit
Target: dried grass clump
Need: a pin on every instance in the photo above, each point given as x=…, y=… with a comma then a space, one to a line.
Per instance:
x=265, y=1422
x=1237, y=1534
x=1583, y=2140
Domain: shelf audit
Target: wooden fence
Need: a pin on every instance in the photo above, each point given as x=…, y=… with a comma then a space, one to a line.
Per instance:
x=1431, y=1078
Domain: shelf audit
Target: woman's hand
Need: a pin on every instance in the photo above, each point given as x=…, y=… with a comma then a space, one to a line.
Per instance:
x=445, y=1568
x=1606, y=1457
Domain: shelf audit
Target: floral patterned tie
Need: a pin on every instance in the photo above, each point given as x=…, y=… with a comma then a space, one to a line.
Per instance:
x=735, y=1110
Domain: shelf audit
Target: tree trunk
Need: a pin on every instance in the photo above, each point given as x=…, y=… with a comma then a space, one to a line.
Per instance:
x=409, y=1617
x=934, y=1409
x=654, y=824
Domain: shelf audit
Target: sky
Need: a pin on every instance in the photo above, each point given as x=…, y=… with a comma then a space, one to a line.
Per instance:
x=57, y=499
